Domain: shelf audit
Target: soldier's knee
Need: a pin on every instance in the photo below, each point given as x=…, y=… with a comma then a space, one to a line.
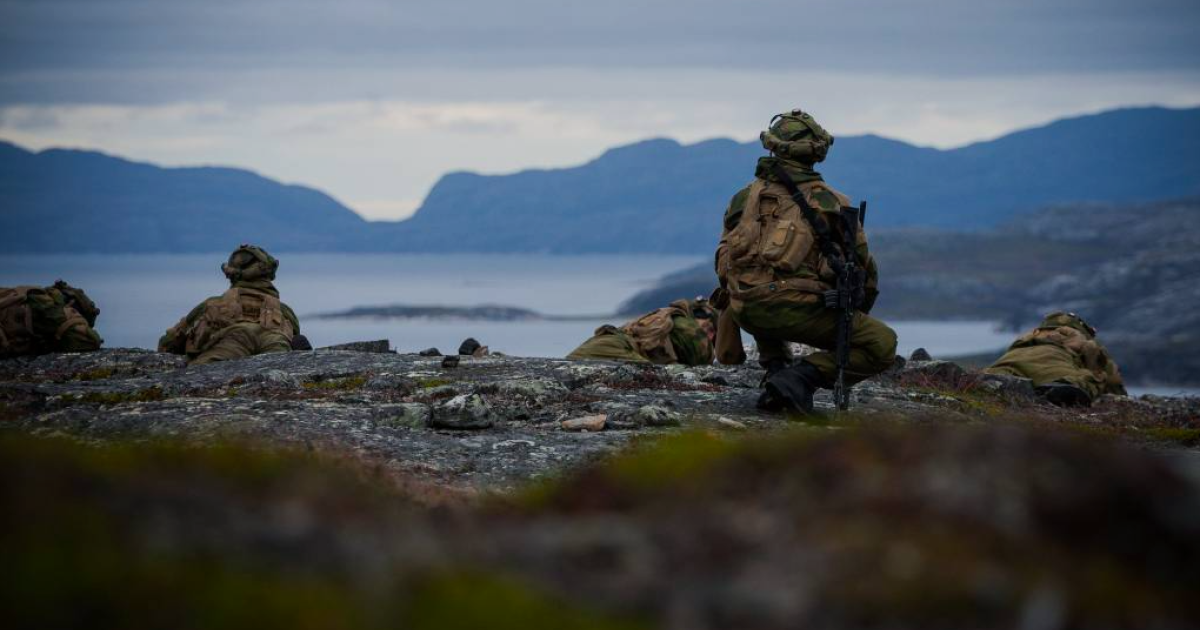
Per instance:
x=879, y=346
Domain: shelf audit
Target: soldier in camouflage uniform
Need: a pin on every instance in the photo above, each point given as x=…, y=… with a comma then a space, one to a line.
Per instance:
x=36, y=320
x=680, y=333
x=772, y=268
x=247, y=319
x=1063, y=359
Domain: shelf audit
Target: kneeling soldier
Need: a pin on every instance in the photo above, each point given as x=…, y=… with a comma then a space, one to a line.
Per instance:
x=247, y=319
x=795, y=264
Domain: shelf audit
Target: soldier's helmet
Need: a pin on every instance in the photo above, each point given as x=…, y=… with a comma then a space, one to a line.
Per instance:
x=796, y=136
x=78, y=300
x=248, y=263
x=1070, y=320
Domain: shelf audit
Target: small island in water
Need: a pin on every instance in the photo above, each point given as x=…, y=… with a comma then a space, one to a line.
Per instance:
x=482, y=312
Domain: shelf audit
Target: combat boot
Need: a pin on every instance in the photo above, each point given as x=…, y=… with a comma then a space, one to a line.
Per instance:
x=773, y=367
x=792, y=389
x=1064, y=394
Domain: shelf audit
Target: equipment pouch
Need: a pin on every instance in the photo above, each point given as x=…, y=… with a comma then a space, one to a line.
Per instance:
x=730, y=350
x=787, y=245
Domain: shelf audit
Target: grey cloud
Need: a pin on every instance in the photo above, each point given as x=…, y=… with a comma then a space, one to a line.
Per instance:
x=162, y=50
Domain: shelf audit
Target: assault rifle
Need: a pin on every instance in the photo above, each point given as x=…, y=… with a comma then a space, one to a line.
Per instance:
x=849, y=291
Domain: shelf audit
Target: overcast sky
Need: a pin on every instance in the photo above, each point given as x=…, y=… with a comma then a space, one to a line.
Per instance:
x=372, y=101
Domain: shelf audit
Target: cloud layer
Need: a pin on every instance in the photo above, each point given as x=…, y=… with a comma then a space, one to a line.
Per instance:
x=372, y=100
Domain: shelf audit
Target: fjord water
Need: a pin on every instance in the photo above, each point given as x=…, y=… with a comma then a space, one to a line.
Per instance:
x=140, y=296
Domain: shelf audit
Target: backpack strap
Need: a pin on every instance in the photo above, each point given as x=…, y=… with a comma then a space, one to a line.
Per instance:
x=830, y=248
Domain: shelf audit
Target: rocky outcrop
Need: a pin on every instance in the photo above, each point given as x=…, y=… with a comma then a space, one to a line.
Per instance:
x=489, y=422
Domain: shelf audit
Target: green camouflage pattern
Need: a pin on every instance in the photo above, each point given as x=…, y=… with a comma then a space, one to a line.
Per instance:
x=825, y=200
x=773, y=324
x=243, y=340
x=252, y=269
x=249, y=339
x=78, y=300
x=776, y=295
x=795, y=136
x=1062, y=349
x=609, y=343
x=250, y=263
x=56, y=325
x=693, y=328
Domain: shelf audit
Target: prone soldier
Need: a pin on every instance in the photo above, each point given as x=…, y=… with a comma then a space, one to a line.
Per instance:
x=1066, y=363
x=682, y=332
x=246, y=320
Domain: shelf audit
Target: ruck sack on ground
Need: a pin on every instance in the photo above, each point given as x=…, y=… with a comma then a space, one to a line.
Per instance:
x=651, y=332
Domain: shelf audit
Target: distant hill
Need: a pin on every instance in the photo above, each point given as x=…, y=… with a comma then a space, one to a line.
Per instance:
x=659, y=196
x=82, y=201
x=653, y=196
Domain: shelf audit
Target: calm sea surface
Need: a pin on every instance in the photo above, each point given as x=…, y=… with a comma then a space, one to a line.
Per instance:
x=140, y=296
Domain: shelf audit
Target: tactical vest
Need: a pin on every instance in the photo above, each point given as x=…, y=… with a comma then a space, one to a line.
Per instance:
x=772, y=251
x=651, y=333
x=235, y=306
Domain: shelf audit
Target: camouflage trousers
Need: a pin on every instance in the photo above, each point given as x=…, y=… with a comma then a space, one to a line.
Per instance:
x=243, y=340
x=609, y=343
x=872, y=343
x=1044, y=364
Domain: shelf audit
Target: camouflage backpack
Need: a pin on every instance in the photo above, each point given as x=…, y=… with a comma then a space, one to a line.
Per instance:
x=235, y=306
x=768, y=252
x=16, y=322
x=651, y=332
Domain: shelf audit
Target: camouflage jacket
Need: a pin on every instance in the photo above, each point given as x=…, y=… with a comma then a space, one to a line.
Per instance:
x=201, y=327
x=773, y=254
x=1086, y=353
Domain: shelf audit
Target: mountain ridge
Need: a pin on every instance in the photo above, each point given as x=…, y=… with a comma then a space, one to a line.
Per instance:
x=653, y=196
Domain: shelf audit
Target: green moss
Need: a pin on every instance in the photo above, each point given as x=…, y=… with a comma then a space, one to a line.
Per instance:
x=1183, y=437
x=431, y=383
x=350, y=382
x=670, y=459
x=97, y=374
x=471, y=600
x=649, y=464
x=114, y=398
